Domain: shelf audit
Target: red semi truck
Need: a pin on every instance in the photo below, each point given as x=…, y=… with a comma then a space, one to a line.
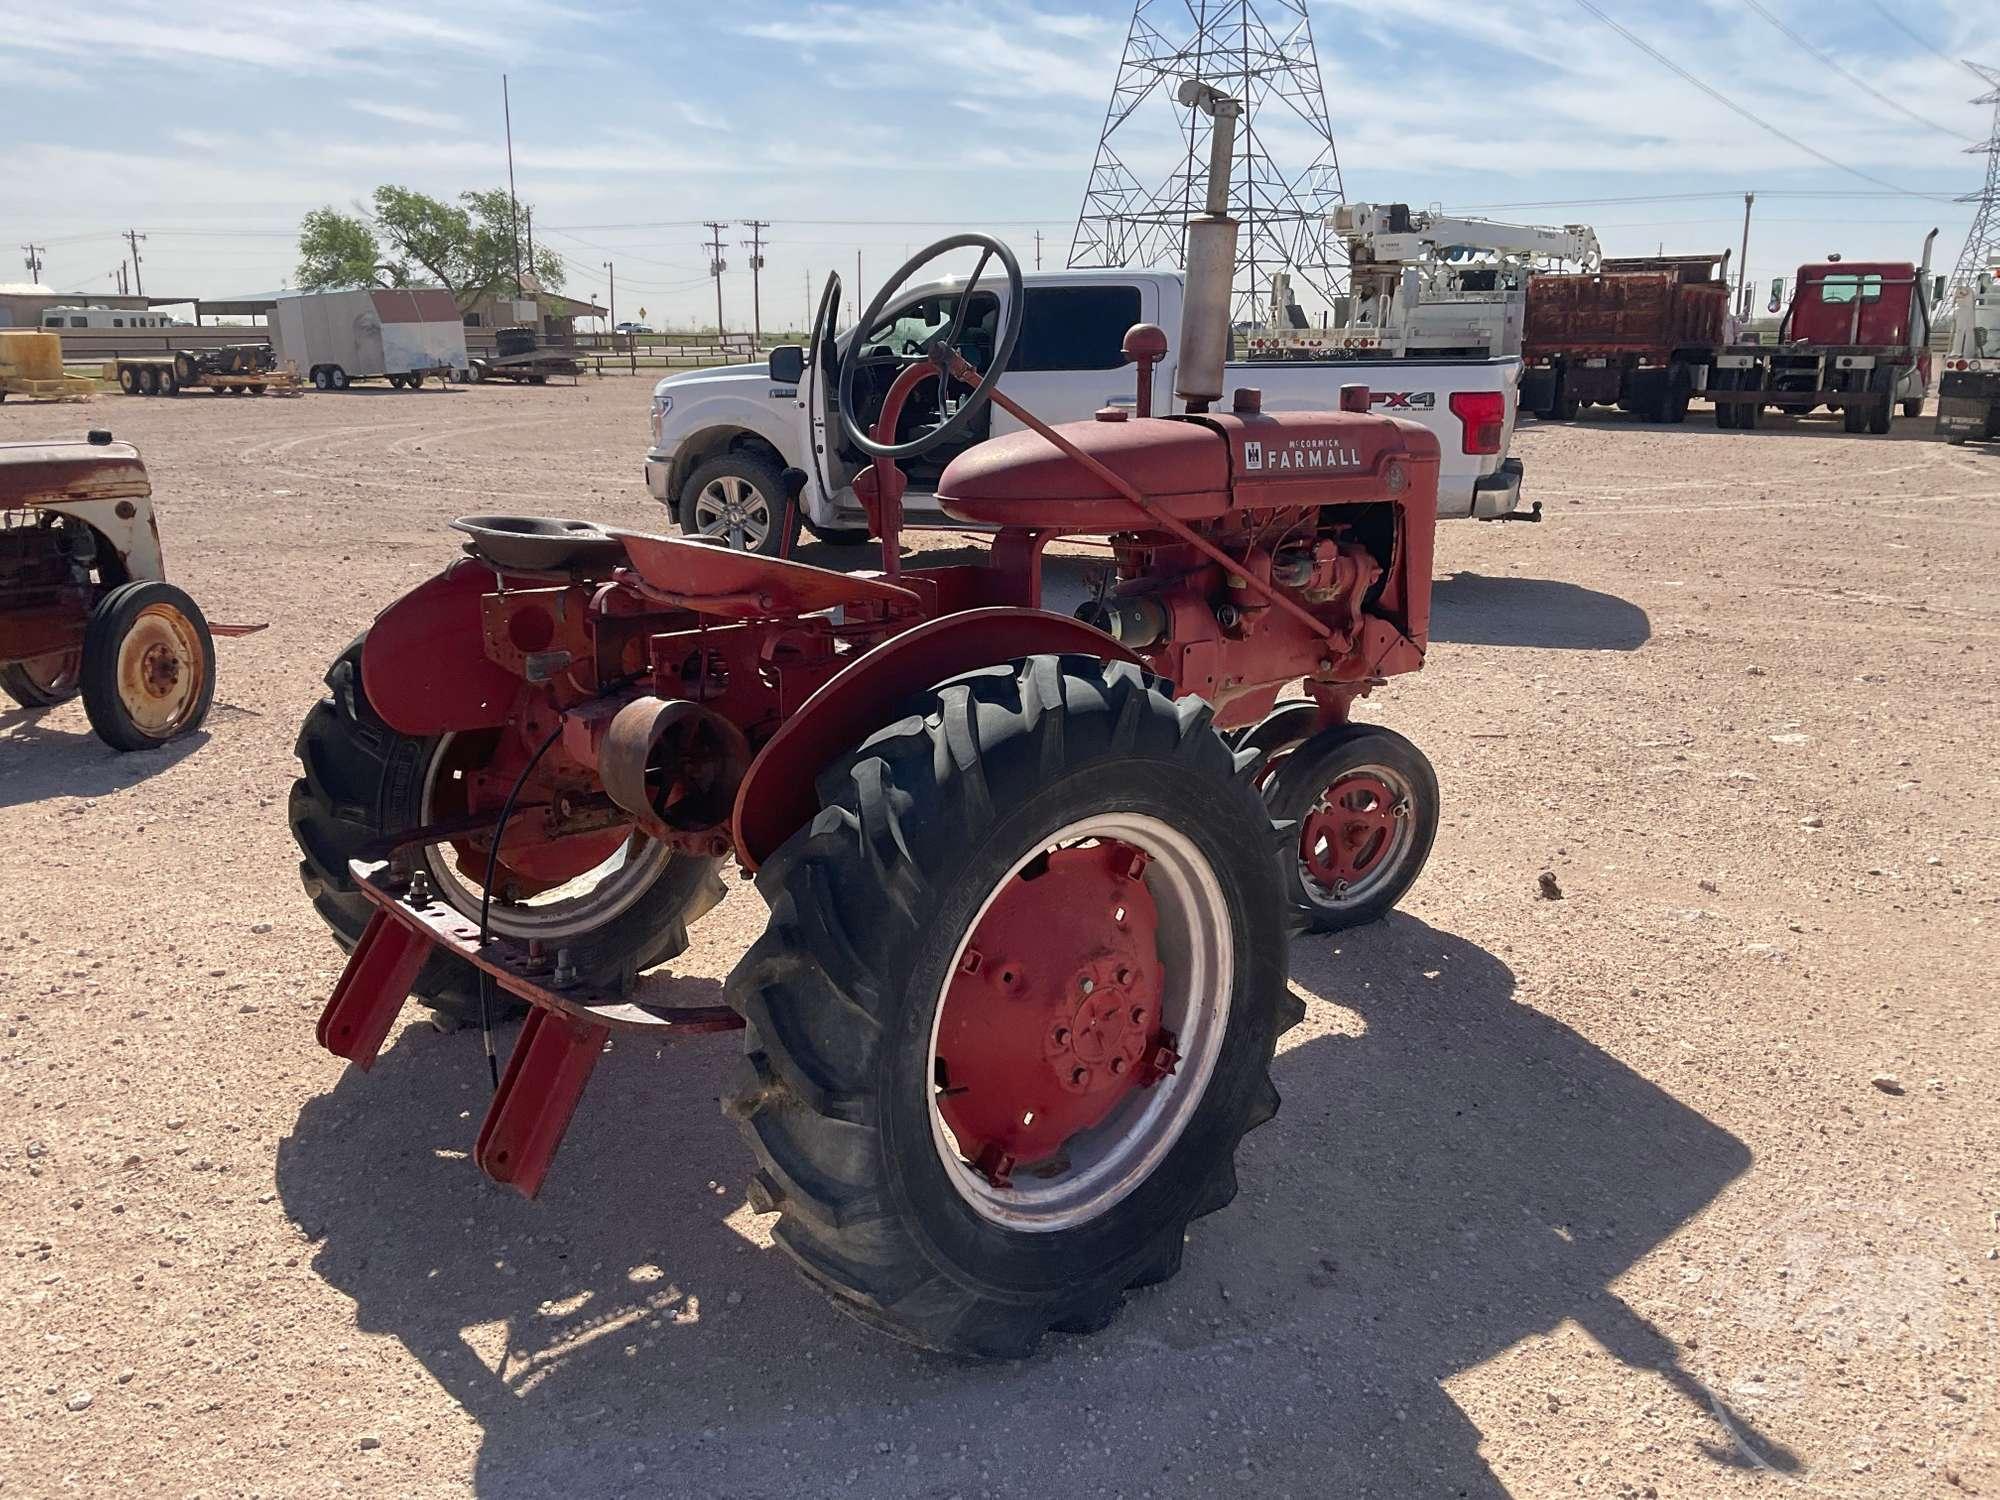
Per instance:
x=1638, y=334
x=1855, y=339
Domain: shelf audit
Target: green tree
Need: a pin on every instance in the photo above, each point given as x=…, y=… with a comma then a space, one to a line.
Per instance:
x=467, y=247
x=337, y=251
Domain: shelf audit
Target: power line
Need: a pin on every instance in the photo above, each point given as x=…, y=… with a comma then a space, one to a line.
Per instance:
x=1731, y=105
x=1861, y=83
x=1922, y=41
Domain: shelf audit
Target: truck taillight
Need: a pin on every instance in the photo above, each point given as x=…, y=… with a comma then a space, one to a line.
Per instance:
x=1484, y=415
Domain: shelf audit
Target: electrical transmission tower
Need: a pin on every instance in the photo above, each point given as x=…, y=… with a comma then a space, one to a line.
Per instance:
x=1152, y=158
x=1982, y=245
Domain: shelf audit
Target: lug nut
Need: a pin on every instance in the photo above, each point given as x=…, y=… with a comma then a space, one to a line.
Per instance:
x=1138, y=1015
x=1080, y=1077
x=1062, y=1036
x=1117, y=1066
x=1089, y=985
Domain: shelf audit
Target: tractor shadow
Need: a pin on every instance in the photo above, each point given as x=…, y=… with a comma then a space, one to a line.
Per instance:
x=1453, y=1172
x=40, y=759
x=1474, y=609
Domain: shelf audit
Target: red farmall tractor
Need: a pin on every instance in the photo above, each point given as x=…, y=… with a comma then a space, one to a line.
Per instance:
x=1030, y=876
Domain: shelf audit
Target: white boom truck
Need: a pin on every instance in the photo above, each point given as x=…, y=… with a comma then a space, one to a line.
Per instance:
x=732, y=447
x=1969, y=383
x=1423, y=283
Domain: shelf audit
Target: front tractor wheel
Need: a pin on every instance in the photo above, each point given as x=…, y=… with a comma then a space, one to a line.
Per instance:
x=148, y=666
x=1365, y=804
x=616, y=901
x=1015, y=1006
x=43, y=681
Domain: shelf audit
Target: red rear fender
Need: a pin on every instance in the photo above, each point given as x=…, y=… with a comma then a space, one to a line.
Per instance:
x=424, y=666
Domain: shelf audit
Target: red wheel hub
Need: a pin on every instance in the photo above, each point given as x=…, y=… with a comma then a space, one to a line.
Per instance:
x=1349, y=830
x=1053, y=1018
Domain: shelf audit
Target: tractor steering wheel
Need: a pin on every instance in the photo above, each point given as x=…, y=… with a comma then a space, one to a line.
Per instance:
x=940, y=351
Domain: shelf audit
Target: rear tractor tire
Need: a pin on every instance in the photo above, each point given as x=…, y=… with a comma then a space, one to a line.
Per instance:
x=1015, y=1006
x=1364, y=804
x=363, y=782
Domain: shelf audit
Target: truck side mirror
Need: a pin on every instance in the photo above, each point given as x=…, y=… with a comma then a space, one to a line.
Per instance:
x=788, y=364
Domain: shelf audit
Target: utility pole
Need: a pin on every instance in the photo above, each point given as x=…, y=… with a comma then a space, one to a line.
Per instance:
x=808, y=324
x=756, y=244
x=34, y=260
x=1743, y=261
x=612, y=271
x=513, y=203
x=1038, y=249
x=716, y=266
x=122, y=283
x=132, y=237
x=529, y=214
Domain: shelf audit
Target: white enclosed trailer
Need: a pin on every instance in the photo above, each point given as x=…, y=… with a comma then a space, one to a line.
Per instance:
x=334, y=338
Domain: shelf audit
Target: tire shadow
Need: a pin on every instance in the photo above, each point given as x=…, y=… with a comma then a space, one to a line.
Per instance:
x=1474, y=609
x=40, y=760
x=1452, y=1172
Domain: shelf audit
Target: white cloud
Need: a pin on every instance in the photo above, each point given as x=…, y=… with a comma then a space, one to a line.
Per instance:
x=411, y=114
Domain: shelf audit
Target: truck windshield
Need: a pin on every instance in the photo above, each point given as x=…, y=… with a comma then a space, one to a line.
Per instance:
x=1840, y=290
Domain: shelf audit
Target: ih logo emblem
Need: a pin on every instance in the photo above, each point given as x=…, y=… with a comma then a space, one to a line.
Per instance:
x=1253, y=455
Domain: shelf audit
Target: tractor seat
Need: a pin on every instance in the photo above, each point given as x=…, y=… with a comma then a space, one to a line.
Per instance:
x=1022, y=479
x=713, y=580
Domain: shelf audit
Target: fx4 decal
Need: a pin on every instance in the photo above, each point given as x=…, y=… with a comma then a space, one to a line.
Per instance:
x=1404, y=400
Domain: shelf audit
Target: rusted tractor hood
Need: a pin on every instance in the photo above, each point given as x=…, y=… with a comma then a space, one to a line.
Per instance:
x=46, y=472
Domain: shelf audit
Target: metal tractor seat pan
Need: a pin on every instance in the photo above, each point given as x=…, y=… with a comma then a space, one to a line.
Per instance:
x=545, y=544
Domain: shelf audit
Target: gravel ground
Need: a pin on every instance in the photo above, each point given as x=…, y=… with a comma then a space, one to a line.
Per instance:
x=1681, y=1185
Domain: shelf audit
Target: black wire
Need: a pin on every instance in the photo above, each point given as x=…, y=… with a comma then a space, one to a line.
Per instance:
x=486, y=899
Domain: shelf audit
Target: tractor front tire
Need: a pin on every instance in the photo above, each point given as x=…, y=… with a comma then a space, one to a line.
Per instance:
x=148, y=666
x=1363, y=805
x=363, y=782
x=45, y=681
x=974, y=865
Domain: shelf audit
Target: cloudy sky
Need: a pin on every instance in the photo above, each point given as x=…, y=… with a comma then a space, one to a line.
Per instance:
x=877, y=126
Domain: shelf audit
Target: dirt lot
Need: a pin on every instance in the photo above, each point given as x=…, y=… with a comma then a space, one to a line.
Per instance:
x=1593, y=1196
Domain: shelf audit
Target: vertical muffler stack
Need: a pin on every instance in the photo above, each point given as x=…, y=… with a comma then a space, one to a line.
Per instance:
x=1211, y=258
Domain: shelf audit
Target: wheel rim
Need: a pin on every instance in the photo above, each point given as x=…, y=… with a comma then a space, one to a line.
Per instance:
x=161, y=669
x=733, y=508
x=1355, y=836
x=551, y=904
x=1085, y=1009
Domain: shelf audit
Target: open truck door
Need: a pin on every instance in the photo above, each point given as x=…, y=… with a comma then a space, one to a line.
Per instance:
x=832, y=472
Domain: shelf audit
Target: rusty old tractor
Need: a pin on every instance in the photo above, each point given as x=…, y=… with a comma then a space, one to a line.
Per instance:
x=1025, y=964
x=84, y=602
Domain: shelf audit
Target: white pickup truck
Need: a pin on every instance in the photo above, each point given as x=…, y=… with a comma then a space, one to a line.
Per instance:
x=724, y=438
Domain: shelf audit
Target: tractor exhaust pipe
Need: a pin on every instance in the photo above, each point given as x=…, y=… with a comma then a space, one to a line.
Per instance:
x=1211, y=258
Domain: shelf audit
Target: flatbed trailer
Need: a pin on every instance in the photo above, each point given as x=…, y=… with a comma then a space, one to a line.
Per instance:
x=520, y=355
x=237, y=370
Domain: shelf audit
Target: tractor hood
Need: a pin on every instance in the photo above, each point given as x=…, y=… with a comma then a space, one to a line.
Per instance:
x=1024, y=479
x=51, y=471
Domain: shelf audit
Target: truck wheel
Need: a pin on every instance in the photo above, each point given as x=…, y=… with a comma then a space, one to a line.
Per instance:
x=740, y=498
x=396, y=382
x=1880, y=414
x=43, y=681
x=364, y=782
x=1679, y=391
x=336, y=377
x=1015, y=1006
x=1364, y=802
x=1913, y=407
x=1853, y=419
x=255, y=390
x=148, y=666
x=149, y=381
x=128, y=380
x=170, y=383
x=1566, y=402
x=1749, y=414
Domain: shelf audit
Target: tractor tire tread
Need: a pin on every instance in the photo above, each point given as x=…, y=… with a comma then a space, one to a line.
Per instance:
x=819, y=990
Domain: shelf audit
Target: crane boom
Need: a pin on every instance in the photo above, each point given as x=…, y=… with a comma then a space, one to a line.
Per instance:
x=1389, y=233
